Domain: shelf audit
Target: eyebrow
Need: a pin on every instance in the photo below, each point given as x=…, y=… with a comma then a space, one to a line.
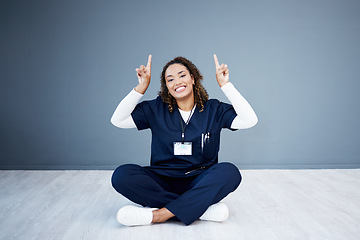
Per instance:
x=172, y=75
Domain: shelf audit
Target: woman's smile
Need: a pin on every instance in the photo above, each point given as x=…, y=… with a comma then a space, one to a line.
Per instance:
x=180, y=88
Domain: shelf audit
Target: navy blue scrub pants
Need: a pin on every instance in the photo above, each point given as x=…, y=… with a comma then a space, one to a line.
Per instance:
x=187, y=198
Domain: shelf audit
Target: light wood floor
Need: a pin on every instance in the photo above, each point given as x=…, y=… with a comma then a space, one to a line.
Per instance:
x=269, y=204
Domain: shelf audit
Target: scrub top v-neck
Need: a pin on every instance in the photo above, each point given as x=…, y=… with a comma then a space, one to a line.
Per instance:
x=203, y=131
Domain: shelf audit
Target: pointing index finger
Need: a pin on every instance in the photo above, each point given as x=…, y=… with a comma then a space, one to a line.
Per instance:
x=149, y=61
x=217, y=65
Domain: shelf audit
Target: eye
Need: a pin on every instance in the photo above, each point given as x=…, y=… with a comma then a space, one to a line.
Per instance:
x=183, y=75
x=170, y=80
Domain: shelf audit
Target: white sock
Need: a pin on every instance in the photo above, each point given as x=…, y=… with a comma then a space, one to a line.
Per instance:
x=135, y=216
x=217, y=212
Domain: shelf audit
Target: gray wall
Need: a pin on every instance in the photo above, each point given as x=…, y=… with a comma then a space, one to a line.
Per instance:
x=65, y=65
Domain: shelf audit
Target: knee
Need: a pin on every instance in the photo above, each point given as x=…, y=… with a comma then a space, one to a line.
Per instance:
x=121, y=176
x=231, y=173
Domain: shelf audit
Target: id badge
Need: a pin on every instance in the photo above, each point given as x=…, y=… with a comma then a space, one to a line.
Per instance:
x=182, y=148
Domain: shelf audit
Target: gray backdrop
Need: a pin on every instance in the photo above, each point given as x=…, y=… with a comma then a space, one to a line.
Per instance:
x=65, y=65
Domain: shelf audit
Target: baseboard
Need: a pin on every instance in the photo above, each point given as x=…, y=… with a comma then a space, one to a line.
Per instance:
x=241, y=166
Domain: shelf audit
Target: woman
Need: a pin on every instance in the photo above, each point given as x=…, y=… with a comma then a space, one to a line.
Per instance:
x=184, y=180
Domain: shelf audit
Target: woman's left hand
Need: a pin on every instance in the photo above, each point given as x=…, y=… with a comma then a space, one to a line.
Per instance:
x=222, y=72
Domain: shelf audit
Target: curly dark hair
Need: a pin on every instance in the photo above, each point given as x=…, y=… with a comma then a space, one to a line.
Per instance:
x=200, y=94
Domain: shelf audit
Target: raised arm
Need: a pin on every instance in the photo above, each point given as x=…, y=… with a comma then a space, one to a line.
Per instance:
x=246, y=117
x=122, y=116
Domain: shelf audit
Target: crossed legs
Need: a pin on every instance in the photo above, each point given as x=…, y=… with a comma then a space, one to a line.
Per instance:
x=185, y=198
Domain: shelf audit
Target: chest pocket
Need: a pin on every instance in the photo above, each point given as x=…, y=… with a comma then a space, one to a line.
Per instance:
x=210, y=145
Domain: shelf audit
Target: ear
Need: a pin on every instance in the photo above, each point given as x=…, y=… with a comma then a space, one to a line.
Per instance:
x=192, y=77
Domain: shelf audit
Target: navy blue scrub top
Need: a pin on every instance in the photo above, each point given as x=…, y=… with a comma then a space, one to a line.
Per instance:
x=166, y=129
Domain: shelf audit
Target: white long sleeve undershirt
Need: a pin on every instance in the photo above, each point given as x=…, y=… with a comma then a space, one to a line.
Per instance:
x=246, y=117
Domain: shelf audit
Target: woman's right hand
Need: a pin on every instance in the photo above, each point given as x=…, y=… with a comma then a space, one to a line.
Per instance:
x=144, y=76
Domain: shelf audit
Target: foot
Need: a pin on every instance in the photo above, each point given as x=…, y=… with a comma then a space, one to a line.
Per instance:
x=217, y=212
x=162, y=215
x=135, y=216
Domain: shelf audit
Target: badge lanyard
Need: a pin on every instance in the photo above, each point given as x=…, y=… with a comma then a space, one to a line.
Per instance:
x=183, y=148
x=184, y=127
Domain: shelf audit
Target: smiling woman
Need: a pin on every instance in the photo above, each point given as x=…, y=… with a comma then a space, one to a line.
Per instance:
x=180, y=84
x=184, y=180
x=186, y=69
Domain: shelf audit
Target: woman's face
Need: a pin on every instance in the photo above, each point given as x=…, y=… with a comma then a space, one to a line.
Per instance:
x=179, y=81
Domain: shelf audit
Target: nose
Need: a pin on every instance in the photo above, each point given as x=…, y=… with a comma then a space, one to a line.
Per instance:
x=177, y=81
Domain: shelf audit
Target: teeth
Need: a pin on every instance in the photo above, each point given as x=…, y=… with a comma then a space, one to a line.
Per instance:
x=179, y=89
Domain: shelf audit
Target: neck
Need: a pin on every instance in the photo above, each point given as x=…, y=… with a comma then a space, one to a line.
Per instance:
x=186, y=104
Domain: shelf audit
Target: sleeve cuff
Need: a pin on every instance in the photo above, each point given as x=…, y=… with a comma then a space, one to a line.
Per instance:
x=135, y=93
x=228, y=88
